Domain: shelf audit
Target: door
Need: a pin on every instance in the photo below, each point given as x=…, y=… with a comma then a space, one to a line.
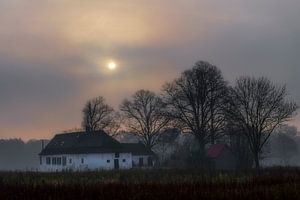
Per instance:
x=141, y=162
x=117, y=164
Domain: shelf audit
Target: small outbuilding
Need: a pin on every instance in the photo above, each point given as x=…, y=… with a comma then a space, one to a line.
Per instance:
x=81, y=151
x=222, y=157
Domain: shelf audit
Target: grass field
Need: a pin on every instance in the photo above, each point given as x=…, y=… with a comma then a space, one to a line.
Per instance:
x=279, y=183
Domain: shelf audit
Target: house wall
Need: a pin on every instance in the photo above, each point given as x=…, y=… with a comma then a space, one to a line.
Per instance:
x=90, y=162
x=136, y=159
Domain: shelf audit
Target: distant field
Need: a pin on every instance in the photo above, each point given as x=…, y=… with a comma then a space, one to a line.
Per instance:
x=272, y=184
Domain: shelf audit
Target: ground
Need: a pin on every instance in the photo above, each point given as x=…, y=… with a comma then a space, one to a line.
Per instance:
x=275, y=183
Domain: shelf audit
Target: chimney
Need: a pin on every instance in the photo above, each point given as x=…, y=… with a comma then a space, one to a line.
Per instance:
x=43, y=145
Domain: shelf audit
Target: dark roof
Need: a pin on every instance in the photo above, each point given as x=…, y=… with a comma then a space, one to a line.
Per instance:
x=137, y=149
x=215, y=150
x=85, y=143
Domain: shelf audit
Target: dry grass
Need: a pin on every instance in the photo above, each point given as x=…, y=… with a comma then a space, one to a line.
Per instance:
x=153, y=184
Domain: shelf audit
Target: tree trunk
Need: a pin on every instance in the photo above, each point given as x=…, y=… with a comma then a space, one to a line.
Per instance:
x=202, y=154
x=256, y=160
x=202, y=151
x=212, y=141
x=148, y=146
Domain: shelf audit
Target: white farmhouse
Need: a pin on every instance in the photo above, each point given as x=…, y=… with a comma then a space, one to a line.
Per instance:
x=82, y=151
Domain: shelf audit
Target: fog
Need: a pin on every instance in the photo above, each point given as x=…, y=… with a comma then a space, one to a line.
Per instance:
x=16, y=154
x=174, y=150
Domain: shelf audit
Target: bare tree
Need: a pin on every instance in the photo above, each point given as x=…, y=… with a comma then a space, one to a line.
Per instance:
x=258, y=106
x=115, y=127
x=145, y=116
x=166, y=142
x=97, y=115
x=240, y=147
x=195, y=102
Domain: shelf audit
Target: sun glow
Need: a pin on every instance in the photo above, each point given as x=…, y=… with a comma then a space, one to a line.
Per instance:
x=111, y=65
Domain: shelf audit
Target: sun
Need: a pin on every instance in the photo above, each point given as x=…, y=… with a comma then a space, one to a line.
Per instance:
x=111, y=65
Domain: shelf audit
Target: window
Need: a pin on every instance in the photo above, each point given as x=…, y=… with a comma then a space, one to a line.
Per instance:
x=53, y=161
x=48, y=160
x=82, y=160
x=108, y=161
x=70, y=161
x=58, y=161
x=117, y=155
x=64, y=161
x=41, y=160
x=124, y=160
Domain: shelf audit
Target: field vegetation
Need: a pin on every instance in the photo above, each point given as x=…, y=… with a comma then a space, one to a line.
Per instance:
x=275, y=183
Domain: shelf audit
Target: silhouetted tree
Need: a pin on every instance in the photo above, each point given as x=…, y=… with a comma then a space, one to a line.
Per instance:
x=240, y=147
x=145, y=115
x=166, y=142
x=258, y=106
x=195, y=102
x=169, y=135
x=115, y=126
x=97, y=115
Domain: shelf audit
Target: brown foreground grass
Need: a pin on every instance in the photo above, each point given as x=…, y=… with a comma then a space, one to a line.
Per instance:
x=280, y=183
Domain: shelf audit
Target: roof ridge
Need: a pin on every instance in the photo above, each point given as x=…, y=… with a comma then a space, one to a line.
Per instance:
x=69, y=133
x=81, y=132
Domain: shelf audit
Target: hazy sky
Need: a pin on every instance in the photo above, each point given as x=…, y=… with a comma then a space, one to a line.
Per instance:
x=53, y=53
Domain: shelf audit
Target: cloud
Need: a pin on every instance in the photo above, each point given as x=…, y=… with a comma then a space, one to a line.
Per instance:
x=52, y=52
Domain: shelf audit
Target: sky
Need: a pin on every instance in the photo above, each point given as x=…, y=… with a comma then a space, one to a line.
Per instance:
x=53, y=53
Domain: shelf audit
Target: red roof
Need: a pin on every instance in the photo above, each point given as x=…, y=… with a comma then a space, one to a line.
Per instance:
x=215, y=150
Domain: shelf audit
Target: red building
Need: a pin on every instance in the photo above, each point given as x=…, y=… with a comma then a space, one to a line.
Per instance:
x=222, y=157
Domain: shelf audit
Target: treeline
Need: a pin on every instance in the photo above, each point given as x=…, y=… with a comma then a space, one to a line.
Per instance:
x=16, y=154
x=174, y=150
x=200, y=103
